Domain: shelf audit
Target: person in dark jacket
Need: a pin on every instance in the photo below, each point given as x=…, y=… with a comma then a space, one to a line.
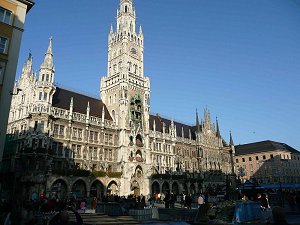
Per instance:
x=188, y=201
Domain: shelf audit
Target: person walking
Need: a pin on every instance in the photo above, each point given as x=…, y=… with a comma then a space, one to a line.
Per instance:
x=200, y=200
x=167, y=200
x=94, y=203
x=188, y=201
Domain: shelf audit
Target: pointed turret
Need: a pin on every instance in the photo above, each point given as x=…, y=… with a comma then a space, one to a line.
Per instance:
x=103, y=115
x=232, y=153
x=71, y=109
x=111, y=29
x=231, y=140
x=48, y=60
x=70, y=114
x=207, y=121
x=197, y=122
x=140, y=31
x=88, y=112
x=217, y=128
x=27, y=67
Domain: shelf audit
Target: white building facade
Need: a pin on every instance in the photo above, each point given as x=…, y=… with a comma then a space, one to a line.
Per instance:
x=116, y=137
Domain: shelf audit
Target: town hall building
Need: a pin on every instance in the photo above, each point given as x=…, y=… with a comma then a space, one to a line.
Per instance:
x=60, y=141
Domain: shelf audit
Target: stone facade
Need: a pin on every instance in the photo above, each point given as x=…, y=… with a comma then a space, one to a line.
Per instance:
x=116, y=135
x=268, y=162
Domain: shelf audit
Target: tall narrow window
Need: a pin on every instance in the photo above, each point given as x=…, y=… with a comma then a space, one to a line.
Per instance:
x=3, y=45
x=45, y=96
x=5, y=15
x=126, y=8
x=42, y=125
x=61, y=130
x=47, y=77
x=40, y=95
x=35, y=125
x=1, y=72
x=55, y=129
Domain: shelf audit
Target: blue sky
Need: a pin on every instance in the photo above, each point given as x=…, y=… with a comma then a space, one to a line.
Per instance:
x=240, y=59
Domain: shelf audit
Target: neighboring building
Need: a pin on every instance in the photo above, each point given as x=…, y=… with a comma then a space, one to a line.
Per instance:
x=12, y=18
x=268, y=162
x=129, y=150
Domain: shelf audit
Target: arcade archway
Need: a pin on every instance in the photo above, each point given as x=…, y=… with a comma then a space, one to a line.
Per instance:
x=112, y=188
x=135, y=187
x=59, y=189
x=155, y=188
x=175, y=188
x=97, y=189
x=165, y=187
x=79, y=189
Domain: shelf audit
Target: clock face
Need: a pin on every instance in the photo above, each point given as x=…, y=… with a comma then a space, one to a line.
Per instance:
x=133, y=51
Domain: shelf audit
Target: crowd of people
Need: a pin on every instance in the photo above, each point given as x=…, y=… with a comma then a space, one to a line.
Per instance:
x=168, y=199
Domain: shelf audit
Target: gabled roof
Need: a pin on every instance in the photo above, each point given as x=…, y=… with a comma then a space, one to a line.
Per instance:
x=62, y=99
x=263, y=146
x=159, y=126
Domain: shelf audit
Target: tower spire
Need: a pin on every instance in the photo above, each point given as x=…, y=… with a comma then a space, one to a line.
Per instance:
x=48, y=60
x=218, y=130
x=197, y=121
x=231, y=140
x=27, y=67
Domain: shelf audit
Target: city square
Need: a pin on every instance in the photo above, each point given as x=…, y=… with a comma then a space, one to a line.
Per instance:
x=111, y=157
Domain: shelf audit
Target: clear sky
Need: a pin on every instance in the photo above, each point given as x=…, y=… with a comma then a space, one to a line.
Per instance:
x=238, y=58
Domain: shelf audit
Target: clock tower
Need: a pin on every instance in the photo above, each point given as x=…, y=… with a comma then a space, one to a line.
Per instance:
x=126, y=91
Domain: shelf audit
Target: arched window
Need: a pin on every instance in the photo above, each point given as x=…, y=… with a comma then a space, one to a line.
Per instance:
x=139, y=140
x=126, y=8
x=129, y=66
x=113, y=113
x=119, y=65
x=135, y=69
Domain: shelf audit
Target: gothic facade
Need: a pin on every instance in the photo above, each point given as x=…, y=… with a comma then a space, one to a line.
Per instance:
x=127, y=148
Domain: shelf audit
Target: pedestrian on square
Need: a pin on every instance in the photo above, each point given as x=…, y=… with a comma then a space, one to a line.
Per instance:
x=188, y=201
x=167, y=200
x=173, y=200
x=94, y=203
x=83, y=205
x=200, y=200
x=156, y=197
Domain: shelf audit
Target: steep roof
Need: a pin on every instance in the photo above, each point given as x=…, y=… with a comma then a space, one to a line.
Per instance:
x=62, y=99
x=263, y=146
x=159, y=126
